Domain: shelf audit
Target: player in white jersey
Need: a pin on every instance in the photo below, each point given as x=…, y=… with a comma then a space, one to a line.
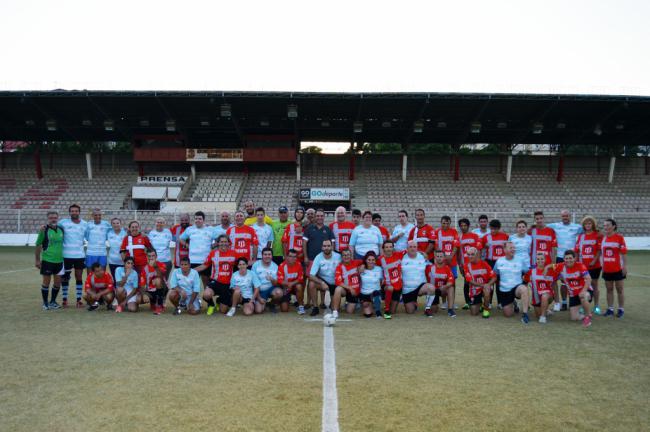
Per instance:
x=322, y=271
x=266, y=272
x=482, y=229
x=511, y=284
x=161, y=238
x=96, y=235
x=114, y=237
x=523, y=243
x=414, y=277
x=263, y=230
x=401, y=231
x=199, y=237
x=185, y=285
x=74, y=234
x=223, y=226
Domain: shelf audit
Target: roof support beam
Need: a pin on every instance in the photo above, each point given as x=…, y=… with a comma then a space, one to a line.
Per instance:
x=477, y=117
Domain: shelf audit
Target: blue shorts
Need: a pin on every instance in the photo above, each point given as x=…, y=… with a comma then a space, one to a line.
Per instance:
x=265, y=294
x=90, y=260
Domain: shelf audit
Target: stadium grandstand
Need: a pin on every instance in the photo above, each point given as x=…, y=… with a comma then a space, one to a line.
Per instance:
x=185, y=151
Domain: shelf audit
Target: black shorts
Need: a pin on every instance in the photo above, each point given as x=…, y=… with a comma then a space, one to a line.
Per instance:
x=278, y=260
x=476, y=300
x=50, y=268
x=74, y=263
x=205, y=272
x=331, y=288
x=506, y=297
x=595, y=273
x=412, y=296
x=575, y=300
x=613, y=276
x=222, y=291
x=368, y=297
x=351, y=298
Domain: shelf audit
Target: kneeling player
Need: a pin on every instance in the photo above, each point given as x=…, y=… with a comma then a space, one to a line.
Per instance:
x=371, y=279
x=291, y=277
x=441, y=276
x=221, y=261
x=99, y=286
x=244, y=286
x=266, y=272
x=541, y=282
x=127, y=282
x=511, y=285
x=576, y=276
x=185, y=285
x=479, y=278
x=414, y=278
x=348, y=283
x=153, y=283
x=391, y=263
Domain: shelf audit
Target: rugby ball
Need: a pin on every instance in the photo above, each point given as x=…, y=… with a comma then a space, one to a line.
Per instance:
x=329, y=320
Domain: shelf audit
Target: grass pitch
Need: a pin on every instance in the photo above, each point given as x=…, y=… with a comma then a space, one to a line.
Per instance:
x=74, y=370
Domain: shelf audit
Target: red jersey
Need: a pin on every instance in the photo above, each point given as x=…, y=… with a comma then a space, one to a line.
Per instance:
x=293, y=240
x=574, y=276
x=612, y=249
x=469, y=240
x=446, y=241
x=439, y=276
x=148, y=273
x=541, y=283
x=392, y=268
x=587, y=248
x=479, y=272
x=342, y=232
x=287, y=273
x=495, y=245
x=242, y=240
x=222, y=265
x=136, y=247
x=99, y=284
x=348, y=275
x=544, y=241
x=423, y=236
x=385, y=235
x=180, y=251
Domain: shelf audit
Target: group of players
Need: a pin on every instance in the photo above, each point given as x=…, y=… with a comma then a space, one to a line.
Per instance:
x=259, y=263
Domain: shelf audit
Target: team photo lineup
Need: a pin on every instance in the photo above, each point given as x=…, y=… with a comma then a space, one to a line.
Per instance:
x=259, y=264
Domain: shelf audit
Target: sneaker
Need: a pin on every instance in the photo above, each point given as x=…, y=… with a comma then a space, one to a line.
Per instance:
x=466, y=306
x=564, y=306
x=335, y=314
x=314, y=311
x=301, y=310
x=64, y=303
x=597, y=310
x=610, y=312
x=557, y=307
x=295, y=304
x=272, y=308
x=524, y=318
x=586, y=321
x=92, y=307
x=178, y=310
x=182, y=305
x=378, y=314
x=161, y=309
x=46, y=307
x=620, y=313
x=499, y=307
x=156, y=310
x=387, y=315
x=451, y=313
x=542, y=320
x=54, y=305
x=444, y=306
x=109, y=307
x=118, y=309
x=210, y=310
x=80, y=304
x=486, y=313
x=428, y=312
x=231, y=312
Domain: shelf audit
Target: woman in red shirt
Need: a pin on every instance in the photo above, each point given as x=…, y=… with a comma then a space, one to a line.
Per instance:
x=613, y=260
x=588, y=252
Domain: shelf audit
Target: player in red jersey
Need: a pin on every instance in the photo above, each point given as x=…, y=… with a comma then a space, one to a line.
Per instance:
x=588, y=252
x=293, y=239
x=180, y=251
x=342, y=230
x=135, y=245
x=442, y=278
x=480, y=277
x=578, y=282
x=221, y=261
x=243, y=239
x=544, y=241
x=447, y=242
x=348, y=282
x=291, y=277
x=423, y=234
x=153, y=283
x=391, y=264
x=541, y=282
x=614, y=262
x=99, y=286
x=494, y=245
x=466, y=239
x=376, y=221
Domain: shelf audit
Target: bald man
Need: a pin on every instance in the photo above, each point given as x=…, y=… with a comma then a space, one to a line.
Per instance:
x=224, y=225
x=251, y=219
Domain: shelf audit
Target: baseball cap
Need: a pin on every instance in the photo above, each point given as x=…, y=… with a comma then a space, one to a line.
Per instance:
x=283, y=209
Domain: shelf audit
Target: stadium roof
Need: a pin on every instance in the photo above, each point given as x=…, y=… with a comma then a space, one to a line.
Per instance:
x=216, y=118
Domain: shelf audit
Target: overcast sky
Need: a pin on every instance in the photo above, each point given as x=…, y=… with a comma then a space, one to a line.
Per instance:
x=570, y=46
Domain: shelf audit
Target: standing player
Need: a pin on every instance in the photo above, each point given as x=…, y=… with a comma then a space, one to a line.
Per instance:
x=251, y=218
x=578, y=282
x=510, y=286
x=180, y=250
x=293, y=239
x=401, y=231
x=523, y=243
x=588, y=252
x=348, y=283
x=135, y=245
x=614, y=262
x=127, y=282
x=423, y=234
x=115, y=237
x=480, y=278
x=315, y=234
x=160, y=238
x=266, y=272
x=198, y=238
x=74, y=229
x=376, y=221
x=291, y=277
x=222, y=228
x=243, y=239
x=96, y=235
x=541, y=281
x=356, y=217
x=153, y=283
x=494, y=248
x=391, y=264
x=278, y=226
x=467, y=240
x=263, y=231
x=365, y=238
x=482, y=229
x=184, y=288
x=566, y=233
x=342, y=230
x=322, y=275
x=442, y=278
x=310, y=216
x=371, y=280
x=414, y=277
x=50, y=261
x=544, y=240
x=447, y=242
x=244, y=286
x=99, y=286
x=221, y=263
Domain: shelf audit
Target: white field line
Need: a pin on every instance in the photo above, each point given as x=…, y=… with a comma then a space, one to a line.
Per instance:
x=18, y=271
x=330, y=397
x=639, y=275
x=321, y=320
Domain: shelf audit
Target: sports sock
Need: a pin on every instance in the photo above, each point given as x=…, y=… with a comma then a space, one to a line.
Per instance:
x=160, y=297
x=64, y=287
x=55, y=292
x=44, y=293
x=430, y=299
x=466, y=293
x=388, y=300
x=79, y=290
x=210, y=302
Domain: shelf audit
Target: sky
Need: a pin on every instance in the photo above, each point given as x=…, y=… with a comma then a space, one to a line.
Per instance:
x=570, y=46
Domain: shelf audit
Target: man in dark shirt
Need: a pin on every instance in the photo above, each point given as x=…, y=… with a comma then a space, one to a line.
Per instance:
x=313, y=238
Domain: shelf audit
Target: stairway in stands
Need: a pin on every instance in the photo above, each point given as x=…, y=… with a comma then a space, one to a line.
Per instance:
x=42, y=195
x=359, y=191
